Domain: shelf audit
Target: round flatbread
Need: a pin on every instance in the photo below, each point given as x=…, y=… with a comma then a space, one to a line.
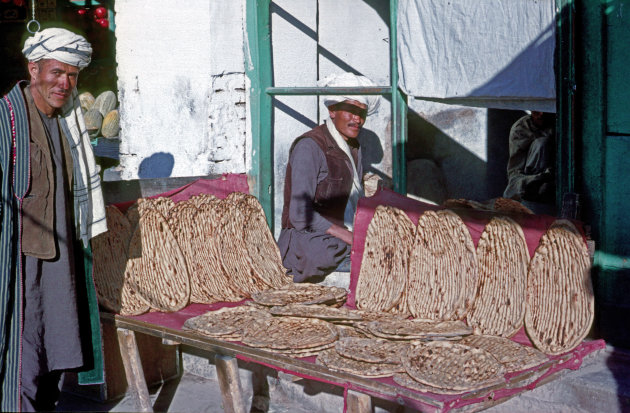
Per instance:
x=383, y=275
x=322, y=312
x=334, y=361
x=300, y=293
x=560, y=301
x=371, y=350
x=512, y=355
x=452, y=366
x=409, y=382
x=227, y=321
x=503, y=258
x=284, y=333
x=442, y=268
x=417, y=329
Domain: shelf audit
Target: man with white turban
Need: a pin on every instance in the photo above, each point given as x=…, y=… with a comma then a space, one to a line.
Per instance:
x=323, y=184
x=51, y=201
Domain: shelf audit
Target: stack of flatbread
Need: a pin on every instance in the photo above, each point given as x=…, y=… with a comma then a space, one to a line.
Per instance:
x=164, y=255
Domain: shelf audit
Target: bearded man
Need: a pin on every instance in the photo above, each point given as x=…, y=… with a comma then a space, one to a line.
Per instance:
x=323, y=184
x=51, y=201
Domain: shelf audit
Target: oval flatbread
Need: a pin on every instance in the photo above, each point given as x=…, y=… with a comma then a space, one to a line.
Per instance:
x=560, y=302
x=158, y=269
x=499, y=306
x=114, y=291
x=383, y=275
x=442, y=268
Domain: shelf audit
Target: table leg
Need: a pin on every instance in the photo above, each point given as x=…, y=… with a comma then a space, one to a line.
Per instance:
x=358, y=402
x=230, y=384
x=133, y=370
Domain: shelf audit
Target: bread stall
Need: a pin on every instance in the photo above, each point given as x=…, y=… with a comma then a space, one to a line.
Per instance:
x=449, y=309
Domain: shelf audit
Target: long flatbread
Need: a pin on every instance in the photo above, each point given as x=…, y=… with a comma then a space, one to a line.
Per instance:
x=383, y=275
x=182, y=220
x=158, y=272
x=442, y=268
x=114, y=290
x=560, y=302
x=499, y=307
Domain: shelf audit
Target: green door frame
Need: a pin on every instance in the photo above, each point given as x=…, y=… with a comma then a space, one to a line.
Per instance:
x=259, y=69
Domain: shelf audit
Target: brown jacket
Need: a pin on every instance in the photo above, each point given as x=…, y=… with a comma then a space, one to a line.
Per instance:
x=331, y=195
x=38, y=208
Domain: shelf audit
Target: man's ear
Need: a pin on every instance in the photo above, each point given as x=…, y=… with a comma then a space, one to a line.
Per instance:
x=332, y=113
x=33, y=69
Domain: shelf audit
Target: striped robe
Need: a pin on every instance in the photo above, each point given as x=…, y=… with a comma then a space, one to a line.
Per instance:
x=14, y=177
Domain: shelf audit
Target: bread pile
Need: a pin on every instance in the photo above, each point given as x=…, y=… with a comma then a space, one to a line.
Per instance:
x=162, y=255
x=432, y=271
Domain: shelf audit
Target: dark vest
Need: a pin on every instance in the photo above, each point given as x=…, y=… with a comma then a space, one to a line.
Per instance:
x=331, y=195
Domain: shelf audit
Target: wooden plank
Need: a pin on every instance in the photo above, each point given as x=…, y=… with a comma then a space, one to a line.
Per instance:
x=358, y=402
x=257, y=355
x=133, y=370
x=230, y=384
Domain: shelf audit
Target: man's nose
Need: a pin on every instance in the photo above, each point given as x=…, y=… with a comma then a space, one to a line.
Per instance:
x=64, y=82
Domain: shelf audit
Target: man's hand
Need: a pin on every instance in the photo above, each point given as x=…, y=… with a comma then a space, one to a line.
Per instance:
x=341, y=233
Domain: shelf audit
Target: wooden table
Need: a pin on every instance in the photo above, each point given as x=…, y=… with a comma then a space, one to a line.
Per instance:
x=358, y=399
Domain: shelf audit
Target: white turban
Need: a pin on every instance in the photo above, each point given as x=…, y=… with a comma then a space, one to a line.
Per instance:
x=350, y=80
x=58, y=44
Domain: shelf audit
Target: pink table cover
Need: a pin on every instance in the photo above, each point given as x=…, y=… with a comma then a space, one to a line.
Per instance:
x=533, y=227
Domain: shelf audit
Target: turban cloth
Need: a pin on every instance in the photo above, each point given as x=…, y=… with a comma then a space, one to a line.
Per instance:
x=350, y=80
x=58, y=44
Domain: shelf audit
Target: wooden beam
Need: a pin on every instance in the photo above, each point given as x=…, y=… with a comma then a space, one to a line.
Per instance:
x=358, y=402
x=230, y=384
x=133, y=370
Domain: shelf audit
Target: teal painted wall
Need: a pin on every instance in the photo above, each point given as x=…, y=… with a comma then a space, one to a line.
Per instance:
x=602, y=123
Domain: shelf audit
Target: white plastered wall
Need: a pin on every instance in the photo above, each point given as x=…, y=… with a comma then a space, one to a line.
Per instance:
x=181, y=87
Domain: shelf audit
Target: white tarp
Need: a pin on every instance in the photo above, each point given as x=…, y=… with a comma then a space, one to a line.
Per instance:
x=489, y=53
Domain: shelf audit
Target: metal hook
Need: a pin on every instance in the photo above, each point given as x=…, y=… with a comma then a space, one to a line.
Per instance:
x=28, y=26
x=33, y=20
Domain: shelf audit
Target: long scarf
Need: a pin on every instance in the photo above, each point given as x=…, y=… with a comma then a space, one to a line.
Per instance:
x=89, y=206
x=357, y=188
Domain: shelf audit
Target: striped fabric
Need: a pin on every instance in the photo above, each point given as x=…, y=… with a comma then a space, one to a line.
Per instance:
x=14, y=175
x=14, y=163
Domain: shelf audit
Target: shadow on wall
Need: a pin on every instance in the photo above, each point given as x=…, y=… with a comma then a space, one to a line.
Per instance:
x=439, y=167
x=158, y=165
x=372, y=151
